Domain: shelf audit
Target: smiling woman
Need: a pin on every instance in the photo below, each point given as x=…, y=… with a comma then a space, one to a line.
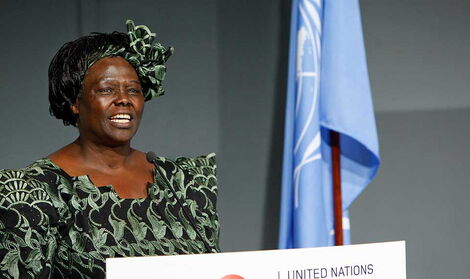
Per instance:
x=108, y=112
x=112, y=98
x=97, y=197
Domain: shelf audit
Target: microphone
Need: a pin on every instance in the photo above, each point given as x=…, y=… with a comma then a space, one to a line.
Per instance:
x=152, y=158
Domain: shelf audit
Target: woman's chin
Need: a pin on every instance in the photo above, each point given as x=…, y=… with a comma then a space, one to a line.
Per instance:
x=119, y=133
x=118, y=138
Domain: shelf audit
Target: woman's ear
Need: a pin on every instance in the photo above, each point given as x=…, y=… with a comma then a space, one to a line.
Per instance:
x=75, y=107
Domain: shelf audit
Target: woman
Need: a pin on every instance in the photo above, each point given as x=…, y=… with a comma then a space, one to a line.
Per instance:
x=97, y=197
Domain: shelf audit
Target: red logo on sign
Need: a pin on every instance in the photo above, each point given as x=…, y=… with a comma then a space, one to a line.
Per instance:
x=232, y=276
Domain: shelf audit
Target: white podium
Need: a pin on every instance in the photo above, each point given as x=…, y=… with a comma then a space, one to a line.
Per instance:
x=385, y=260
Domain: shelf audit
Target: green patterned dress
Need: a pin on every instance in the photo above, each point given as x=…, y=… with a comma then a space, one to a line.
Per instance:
x=53, y=225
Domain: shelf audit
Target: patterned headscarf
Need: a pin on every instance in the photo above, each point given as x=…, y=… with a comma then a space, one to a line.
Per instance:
x=148, y=58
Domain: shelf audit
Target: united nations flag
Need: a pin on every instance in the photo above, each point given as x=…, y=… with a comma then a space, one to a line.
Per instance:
x=328, y=89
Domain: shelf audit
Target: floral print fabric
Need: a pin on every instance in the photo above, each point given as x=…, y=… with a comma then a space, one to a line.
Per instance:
x=53, y=225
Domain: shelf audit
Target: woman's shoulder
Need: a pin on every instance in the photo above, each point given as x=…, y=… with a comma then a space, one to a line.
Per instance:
x=202, y=161
x=183, y=161
x=27, y=192
x=198, y=172
x=30, y=175
x=18, y=179
x=198, y=165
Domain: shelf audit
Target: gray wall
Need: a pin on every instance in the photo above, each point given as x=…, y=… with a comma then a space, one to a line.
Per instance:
x=252, y=74
x=418, y=53
x=225, y=93
x=419, y=64
x=421, y=193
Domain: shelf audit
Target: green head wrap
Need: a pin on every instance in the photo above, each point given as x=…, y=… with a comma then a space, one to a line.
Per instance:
x=146, y=56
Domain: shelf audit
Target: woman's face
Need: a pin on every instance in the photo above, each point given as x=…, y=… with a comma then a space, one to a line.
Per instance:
x=111, y=103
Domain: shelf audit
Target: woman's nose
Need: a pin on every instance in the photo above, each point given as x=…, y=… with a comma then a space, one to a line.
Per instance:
x=122, y=98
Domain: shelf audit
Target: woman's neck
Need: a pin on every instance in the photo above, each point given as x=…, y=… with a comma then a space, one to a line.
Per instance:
x=82, y=157
x=112, y=157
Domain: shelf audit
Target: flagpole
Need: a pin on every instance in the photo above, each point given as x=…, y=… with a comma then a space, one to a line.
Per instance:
x=337, y=203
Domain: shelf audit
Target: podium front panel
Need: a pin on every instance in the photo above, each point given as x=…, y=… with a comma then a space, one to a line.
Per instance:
x=364, y=261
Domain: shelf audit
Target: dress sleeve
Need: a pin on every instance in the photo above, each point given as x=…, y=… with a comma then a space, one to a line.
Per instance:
x=201, y=196
x=28, y=226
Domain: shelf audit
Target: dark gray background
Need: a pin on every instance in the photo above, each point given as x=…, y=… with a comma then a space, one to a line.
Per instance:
x=225, y=94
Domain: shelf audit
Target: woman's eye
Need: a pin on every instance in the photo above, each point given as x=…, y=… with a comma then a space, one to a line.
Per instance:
x=106, y=90
x=135, y=91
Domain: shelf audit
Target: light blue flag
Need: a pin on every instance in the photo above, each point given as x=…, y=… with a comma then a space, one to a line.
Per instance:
x=328, y=89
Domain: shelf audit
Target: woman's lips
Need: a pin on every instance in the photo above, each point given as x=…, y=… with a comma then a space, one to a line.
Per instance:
x=121, y=120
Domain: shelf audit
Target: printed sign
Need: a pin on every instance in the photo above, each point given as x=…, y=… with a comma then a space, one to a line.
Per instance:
x=364, y=261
